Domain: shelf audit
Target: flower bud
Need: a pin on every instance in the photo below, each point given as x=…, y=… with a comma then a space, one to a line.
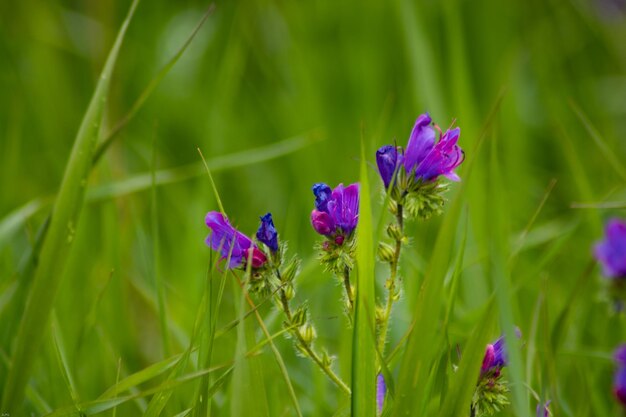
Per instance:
x=386, y=159
x=291, y=270
x=289, y=292
x=394, y=232
x=307, y=332
x=386, y=253
x=267, y=233
x=322, y=222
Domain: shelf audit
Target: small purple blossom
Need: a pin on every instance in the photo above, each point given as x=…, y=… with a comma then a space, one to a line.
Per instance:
x=267, y=232
x=619, y=382
x=496, y=356
x=231, y=243
x=423, y=158
x=387, y=161
x=611, y=252
x=543, y=410
x=336, y=211
x=381, y=391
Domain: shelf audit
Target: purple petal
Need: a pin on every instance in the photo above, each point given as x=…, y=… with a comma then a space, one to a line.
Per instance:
x=226, y=239
x=619, y=385
x=322, y=195
x=381, y=390
x=387, y=160
x=267, y=232
x=343, y=207
x=542, y=409
x=442, y=159
x=420, y=144
x=611, y=252
x=620, y=355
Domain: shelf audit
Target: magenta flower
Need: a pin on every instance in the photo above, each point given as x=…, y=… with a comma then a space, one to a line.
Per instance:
x=619, y=382
x=231, y=243
x=336, y=211
x=267, y=232
x=381, y=391
x=611, y=252
x=423, y=158
x=495, y=356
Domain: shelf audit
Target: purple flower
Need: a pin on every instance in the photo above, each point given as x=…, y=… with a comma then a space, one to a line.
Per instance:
x=619, y=382
x=421, y=143
x=442, y=158
x=387, y=161
x=230, y=242
x=423, y=158
x=267, y=232
x=336, y=211
x=611, y=252
x=381, y=390
x=495, y=355
x=542, y=409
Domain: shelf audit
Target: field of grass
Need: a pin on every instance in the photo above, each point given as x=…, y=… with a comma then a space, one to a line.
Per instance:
x=111, y=303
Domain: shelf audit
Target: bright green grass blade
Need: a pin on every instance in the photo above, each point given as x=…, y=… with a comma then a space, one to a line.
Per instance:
x=56, y=247
x=184, y=413
x=61, y=356
x=141, y=377
x=505, y=298
x=98, y=406
x=459, y=396
x=364, y=335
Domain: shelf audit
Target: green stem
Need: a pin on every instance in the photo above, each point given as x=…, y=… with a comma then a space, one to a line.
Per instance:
x=307, y=346
x=348, y=287
x=391, y=283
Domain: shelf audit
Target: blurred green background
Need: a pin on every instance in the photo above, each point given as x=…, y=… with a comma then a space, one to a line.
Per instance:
x=277, y=95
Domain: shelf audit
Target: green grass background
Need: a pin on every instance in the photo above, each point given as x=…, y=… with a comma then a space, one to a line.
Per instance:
x=540, y=85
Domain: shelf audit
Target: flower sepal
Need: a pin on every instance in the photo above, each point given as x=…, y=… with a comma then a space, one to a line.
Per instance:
x=490, y=395
x=337, y=255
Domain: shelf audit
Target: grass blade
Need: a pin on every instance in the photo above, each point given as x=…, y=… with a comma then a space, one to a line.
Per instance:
x=364, y=336
x=57, y=244
x=459, y=396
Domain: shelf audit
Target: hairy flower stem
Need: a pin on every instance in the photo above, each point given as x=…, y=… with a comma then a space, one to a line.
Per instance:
x=391, y=282
x=346, y=284
x=306, y=346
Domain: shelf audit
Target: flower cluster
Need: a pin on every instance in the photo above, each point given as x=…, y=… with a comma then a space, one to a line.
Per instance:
x=335, y=216
x=236, y=248
x=491, y=389
x=411, y=174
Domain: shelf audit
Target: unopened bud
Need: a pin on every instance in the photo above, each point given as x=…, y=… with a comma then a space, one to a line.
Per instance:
x=307, y=332
x=291, y=270
x=380, y=314
x=394, y=232
x=386, y=252
x=289, y=292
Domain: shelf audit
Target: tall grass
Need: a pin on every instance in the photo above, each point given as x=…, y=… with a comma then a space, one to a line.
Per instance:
x=134, y=317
